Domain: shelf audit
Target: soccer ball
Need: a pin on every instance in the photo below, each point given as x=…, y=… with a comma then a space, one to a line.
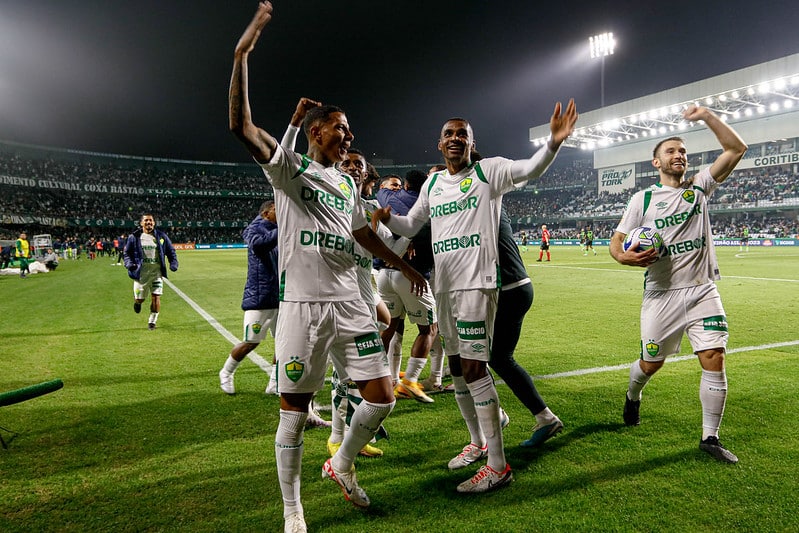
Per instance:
x=642, y=239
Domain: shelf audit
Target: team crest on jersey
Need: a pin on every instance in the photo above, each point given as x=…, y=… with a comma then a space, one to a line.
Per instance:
x=345, y=189
x=466, y=183
x=689, y=196
x=295, y=369
x=652, y=348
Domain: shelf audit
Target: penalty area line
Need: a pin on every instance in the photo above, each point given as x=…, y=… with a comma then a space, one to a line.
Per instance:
x=265, y=365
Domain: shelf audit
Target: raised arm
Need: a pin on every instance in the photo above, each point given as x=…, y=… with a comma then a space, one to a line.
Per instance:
x=561, y=125
x=289, y=139
x=259, y=143
x=732, y=145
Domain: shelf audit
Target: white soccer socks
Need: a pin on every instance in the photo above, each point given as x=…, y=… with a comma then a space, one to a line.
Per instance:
x=713, y=395
x=288, y=453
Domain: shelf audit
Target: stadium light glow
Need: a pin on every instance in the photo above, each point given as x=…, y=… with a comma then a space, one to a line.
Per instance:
x=601, y=46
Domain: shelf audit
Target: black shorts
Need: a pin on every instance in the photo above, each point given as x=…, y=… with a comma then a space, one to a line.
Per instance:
x=545, y=246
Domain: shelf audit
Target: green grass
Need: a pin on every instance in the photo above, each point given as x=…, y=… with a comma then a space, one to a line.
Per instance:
x=141, y=438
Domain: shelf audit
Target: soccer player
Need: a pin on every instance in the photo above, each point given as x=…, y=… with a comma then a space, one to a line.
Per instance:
x=680, y=294
x=744, y=239
x=260, y=300
x=322, y=312
x=463, y=205
x=22, y=251
x=146, y=254
x=395, y=290
x=545, y=236
x=589, y=241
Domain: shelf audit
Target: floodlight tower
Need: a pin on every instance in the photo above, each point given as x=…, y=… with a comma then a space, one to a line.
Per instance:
x=602, y=45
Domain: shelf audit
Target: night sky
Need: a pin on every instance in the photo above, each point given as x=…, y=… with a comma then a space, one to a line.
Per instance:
x=150, y=77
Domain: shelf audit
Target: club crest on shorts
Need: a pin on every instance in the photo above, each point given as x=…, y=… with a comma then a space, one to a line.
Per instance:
x=295, y=369
x=652, y=348
x=256, y=328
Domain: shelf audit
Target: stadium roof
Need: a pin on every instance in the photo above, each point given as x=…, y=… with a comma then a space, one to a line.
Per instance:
x=765, y=91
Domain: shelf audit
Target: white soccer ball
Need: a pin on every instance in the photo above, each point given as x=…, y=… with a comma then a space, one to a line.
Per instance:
x=642, y=239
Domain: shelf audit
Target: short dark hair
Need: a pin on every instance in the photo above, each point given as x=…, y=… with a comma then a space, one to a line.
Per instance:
x=414, y=179
x=266, y=205
x=318, y=114
x=658, y=145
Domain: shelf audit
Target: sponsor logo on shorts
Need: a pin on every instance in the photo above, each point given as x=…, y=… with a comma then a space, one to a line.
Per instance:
x=471, y=331
x=295, y=369
x=478, y=348
x=715, y=323
x=368, y=344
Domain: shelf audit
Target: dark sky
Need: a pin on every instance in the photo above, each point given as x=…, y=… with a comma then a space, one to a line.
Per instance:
x=150, y=77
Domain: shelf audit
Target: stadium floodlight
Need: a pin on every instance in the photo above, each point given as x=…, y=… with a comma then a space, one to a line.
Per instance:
x=602, y=45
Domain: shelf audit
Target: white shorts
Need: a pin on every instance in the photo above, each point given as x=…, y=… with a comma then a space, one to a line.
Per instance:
x=257, y=322
x=308, y=331
x=142, y=290
x=467, y=322
x=695, y=311
x=395, y=290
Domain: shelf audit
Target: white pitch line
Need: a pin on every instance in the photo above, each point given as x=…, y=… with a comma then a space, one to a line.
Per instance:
x=624, y=366
x=634, y=271
x=265, y=365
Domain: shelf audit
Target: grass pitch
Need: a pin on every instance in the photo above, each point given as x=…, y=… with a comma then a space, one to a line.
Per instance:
x=142, y=439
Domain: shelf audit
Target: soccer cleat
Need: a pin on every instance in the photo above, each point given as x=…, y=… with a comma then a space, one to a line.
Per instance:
x=542, y=433
x=370, y=451
x=631, y=414
x=295, y=523
x=432, y=386
x=450, y=388
x=151, y=326
x=504, y=419
x=537, y=260
x=411, y=389
x=367, y=451
x=332, y=447
x=314, y=420
x=487, y=479
x=226, y=382
x=401, y=392
x=348, y=483
x=471, y=453
x=137, y=307
x=712, y=446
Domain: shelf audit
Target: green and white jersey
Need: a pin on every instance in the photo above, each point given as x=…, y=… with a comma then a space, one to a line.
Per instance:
x=464, y=213
x=680, y=216
x=317, y=209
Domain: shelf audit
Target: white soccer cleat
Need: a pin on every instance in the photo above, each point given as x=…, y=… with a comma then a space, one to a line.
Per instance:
x=487, y=479
x=470, y=454
x=348, y=483
x=226, y=382
x=314, y=420
x=295, y=523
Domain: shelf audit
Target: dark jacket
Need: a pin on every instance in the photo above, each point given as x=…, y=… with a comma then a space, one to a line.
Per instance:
x=261, y=289
x=400, y=202
x=134, y=255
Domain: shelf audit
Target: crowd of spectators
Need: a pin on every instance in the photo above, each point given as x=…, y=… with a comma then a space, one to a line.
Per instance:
x=565, y=198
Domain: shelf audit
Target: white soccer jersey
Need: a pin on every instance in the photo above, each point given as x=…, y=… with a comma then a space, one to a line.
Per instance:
x=317, y=209
x=464, y=212
x=680, y=215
